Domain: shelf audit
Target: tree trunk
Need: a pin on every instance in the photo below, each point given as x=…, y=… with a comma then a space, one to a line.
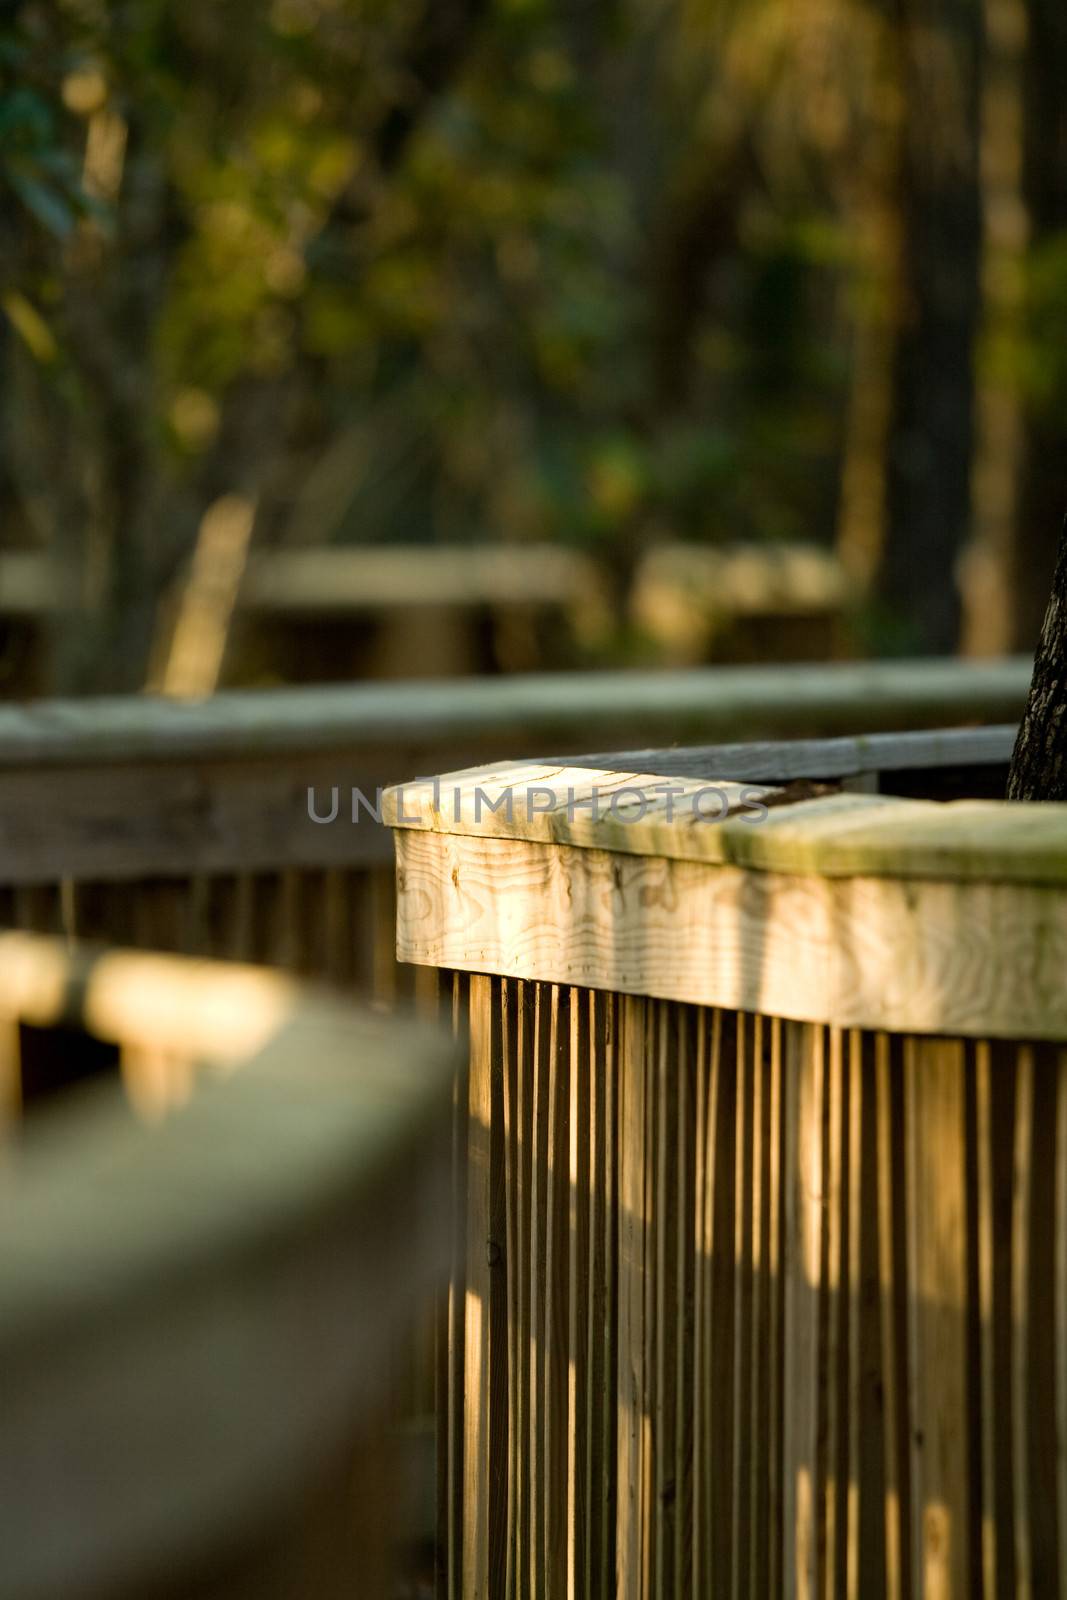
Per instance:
x=1043, y=477
x=1039, y=760
x=929, y=470
x=990, y=601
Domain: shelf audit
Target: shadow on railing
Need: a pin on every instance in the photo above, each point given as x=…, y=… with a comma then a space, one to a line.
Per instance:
x=754, y=1306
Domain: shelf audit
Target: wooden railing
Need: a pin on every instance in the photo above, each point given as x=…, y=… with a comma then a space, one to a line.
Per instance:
x=197, y=1316
x=765, y=1279
x=186, y=826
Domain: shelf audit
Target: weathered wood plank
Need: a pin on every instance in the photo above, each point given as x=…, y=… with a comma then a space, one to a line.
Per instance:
x=719, y=821
x=981, y=959
x=784, y=760
x=532, y=710
x=324, y=580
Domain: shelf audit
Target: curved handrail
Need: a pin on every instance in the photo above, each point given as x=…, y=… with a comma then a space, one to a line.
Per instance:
x=801, y=902
x=194, y=1316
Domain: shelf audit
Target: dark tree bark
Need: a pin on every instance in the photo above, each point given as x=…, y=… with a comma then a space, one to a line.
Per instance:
x=1039, y=760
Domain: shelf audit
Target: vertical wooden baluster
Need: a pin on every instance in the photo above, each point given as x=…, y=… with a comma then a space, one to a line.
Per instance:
x=538, y=1228
x=632, y=1396
x=522, y=1463
x=555, y=1266
x=288, y=897
x=855, y=1486
x=512, y=1146
x=484, y=1463
x=509, y=997
x=195, y=934
x=261, y=918
x=1033, y=1349
x=775, y=1319
x=589, y=1576
x=311, y=951
x=1038, y=1375
x=684, y=1066
x=651, y=1501
x=760, y=1390
x=1024, y=1099
x=496, y=1254
x=984, y=1223
x=867, y=1562
x=663, y=1066
x=606, y=1326
x=834, y=1393
x=452, y=1415
x=335, y=931
x=742, y=1265
x=37, y=908
x=701, y=1279
x=242, y=938
x=725, y=1423
x=804, y=1197
x=477, y=1488
x=222, y=895
x=892, y=1276
x=360, y=912
x=711, y=1440
x=937, y=1294
x=68, y=908
x=994, y=1259
x=386, y=975
x=579, y=1431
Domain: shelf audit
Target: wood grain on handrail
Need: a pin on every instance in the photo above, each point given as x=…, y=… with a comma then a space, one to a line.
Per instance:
x=856, y=910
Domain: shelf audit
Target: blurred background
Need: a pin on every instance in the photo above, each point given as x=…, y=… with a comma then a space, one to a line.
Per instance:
x=394, y=338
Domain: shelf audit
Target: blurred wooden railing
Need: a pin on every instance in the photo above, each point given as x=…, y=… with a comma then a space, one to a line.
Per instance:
x=197, y=1313
x=765, y=1281
x=186, y=826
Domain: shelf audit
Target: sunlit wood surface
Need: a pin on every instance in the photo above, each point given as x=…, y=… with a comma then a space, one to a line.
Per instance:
x=185, y=826
x=766, y=1166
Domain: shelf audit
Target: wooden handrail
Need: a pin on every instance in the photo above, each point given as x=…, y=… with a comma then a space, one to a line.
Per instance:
x=712, y=702
x=195, y=1317
x=120, y=789
x=850, y=909
x=768, y=1117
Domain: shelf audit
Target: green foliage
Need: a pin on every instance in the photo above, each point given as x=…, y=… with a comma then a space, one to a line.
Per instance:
x=477, y=303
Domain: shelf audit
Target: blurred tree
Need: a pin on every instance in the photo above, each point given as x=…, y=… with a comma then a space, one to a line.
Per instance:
x=990, y=596
x=1043, y=475
x=930, y=460
x=612, y=274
